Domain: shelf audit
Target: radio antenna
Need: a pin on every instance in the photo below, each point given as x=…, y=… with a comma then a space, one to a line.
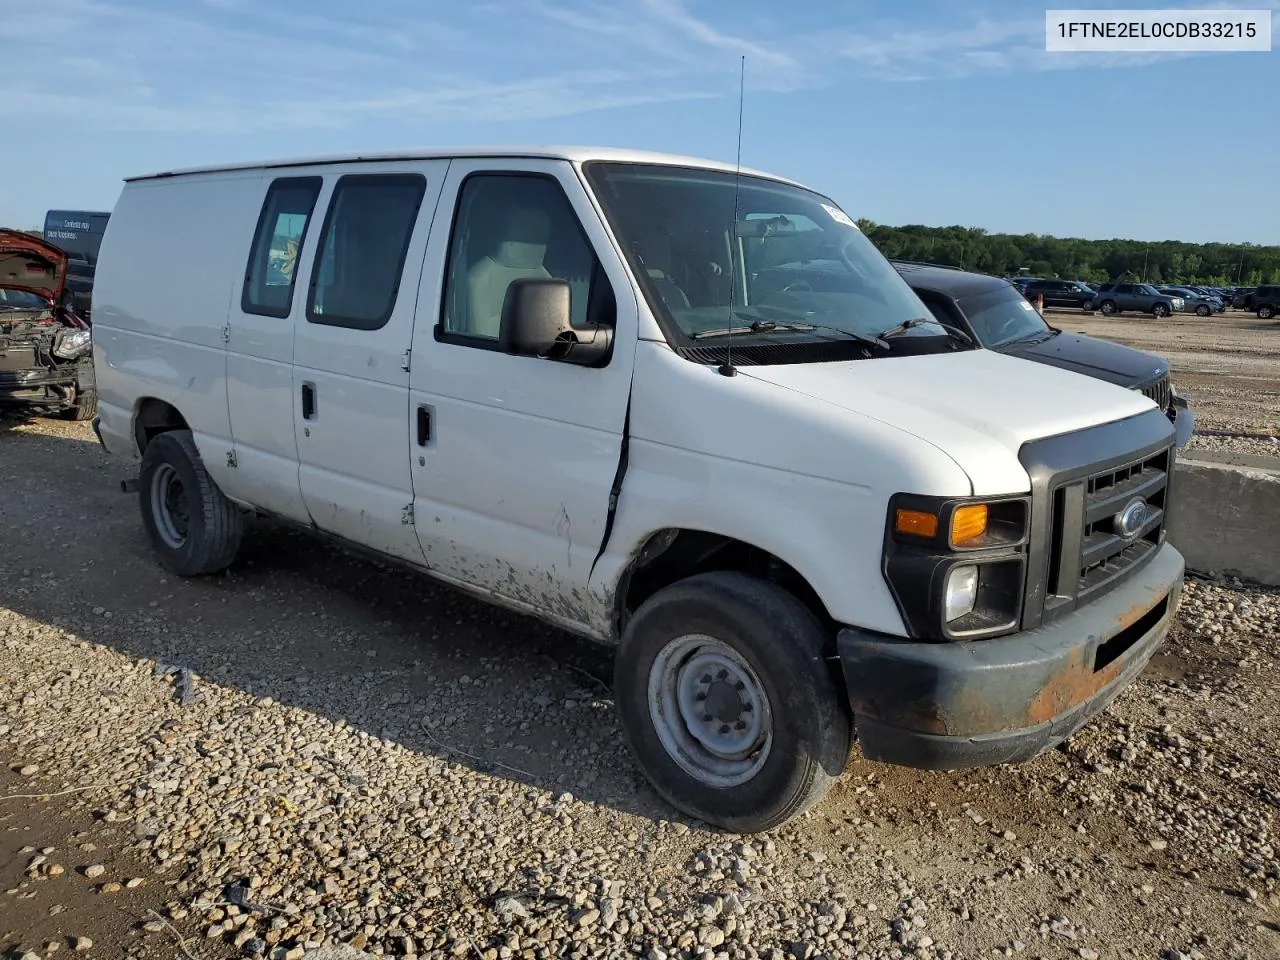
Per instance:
x=727, y=368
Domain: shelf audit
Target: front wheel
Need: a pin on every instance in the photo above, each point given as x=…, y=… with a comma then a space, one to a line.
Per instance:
x=1266, y=312
x=85, y=407
x=194, y=528
x=727, y=698
x=1203, y=311
x=1160, y=310
x=1108, y=307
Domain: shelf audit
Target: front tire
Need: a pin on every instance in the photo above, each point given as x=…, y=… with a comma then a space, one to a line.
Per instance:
x=85, y=407
x=728, y=701
x=1266, y=312
x=1203, y=311
x=193, y=527
x=1160, y=311
x=1108, y=307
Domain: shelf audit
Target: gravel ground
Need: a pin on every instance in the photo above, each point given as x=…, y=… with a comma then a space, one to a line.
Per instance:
x=1228, y=366
x=315, y=750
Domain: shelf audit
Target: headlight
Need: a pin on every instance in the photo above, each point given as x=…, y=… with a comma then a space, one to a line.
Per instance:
x=961, y=593
x=70, y=344
x=956, y=565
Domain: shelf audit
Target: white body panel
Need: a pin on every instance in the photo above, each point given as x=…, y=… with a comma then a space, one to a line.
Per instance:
x=261, y=397
x=353, y=453
x=170, y=267
x=511, y=493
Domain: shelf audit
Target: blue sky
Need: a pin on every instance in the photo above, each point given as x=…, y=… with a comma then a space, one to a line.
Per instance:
x=929, y=112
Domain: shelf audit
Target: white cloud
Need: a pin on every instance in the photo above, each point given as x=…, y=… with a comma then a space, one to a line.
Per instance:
x=234, y=66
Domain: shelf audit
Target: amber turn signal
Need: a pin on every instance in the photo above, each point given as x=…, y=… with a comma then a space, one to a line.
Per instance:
x=968, y=523
x=915, y=522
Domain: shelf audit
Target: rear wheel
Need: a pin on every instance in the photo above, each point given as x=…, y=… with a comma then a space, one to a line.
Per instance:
x=1266, y=312
x=1108, y=307
x=194, y=528
x=726, y=696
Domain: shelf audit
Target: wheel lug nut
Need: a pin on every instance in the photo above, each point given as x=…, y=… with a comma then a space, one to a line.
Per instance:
x=722, y=675
x=739, y=686
x=705, y=678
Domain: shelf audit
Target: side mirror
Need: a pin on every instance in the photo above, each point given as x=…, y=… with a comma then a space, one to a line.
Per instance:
x=536, y=322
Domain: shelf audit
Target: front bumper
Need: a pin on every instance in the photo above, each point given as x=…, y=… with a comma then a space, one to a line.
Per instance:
x=1184, y=421
x=38, y=386
x=951, y=706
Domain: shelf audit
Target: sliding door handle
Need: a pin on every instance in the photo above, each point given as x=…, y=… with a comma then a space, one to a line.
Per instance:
x=308, y=401
x=424, y=426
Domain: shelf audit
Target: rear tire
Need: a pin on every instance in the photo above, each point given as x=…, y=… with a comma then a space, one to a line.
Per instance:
x=1266, y=312
x=777, y=729
x=1108, y=307
x=193, y=527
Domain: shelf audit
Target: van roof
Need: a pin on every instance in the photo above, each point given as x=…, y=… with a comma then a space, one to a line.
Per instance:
x=572, y=154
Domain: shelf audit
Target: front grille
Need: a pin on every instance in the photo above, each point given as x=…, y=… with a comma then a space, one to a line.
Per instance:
x=1080, y=484
x=1105, y=554
x=1158, y=391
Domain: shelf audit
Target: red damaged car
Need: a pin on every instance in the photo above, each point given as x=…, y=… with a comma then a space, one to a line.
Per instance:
x=46, y=357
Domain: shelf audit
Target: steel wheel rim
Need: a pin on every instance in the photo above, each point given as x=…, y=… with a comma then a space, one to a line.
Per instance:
x=710, y=711
x=169, y=506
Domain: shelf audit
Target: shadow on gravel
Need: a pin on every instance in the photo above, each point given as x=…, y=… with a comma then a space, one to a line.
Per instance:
x=300, y=621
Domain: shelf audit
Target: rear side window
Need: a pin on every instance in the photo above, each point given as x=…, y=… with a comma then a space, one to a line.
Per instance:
x=362, y=248
x=273, y=259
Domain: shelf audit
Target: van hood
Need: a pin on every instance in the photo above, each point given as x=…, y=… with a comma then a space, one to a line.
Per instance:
x=31, y=264
x=977, y=406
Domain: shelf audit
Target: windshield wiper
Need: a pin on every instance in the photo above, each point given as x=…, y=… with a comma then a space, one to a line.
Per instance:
x=954, y=332
x=770, y=326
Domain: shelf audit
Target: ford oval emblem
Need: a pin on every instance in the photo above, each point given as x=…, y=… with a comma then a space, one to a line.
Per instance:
x=1130, y=520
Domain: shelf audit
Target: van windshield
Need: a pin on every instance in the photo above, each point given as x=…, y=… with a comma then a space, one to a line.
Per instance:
x=793, y=266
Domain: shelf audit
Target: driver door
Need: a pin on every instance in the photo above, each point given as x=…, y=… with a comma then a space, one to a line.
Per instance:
x=514, y=457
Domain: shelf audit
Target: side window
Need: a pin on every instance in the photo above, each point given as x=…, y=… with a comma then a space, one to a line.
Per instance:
x=282, y=228
x=508, y=227
x=362, y=249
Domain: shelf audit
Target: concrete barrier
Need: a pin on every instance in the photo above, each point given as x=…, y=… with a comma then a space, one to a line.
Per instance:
x=1225, y=517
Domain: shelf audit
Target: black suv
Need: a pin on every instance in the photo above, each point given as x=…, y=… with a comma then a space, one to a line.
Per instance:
x=1266, y=301
x=1061, y=293
x=1000, y=318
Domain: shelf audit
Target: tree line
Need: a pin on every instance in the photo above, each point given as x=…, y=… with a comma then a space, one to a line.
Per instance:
x=1069, y=258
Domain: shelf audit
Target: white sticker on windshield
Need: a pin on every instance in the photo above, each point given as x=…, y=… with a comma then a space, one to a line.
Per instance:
x=839, y=216
x=1025, y=305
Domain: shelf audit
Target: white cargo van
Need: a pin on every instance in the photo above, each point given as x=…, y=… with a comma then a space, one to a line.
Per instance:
x=660, y=403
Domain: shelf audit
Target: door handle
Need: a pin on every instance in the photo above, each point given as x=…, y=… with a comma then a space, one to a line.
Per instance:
x=424, y=426
x=308, y=401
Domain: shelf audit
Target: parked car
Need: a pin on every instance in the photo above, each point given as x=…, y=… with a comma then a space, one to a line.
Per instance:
x=45, y=347
x=1000, y=319
x=1199, y=304
x=1142, y=297
x=1061, y=293
x=1266, y=301
x=659, y=404
x=1242, y=298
